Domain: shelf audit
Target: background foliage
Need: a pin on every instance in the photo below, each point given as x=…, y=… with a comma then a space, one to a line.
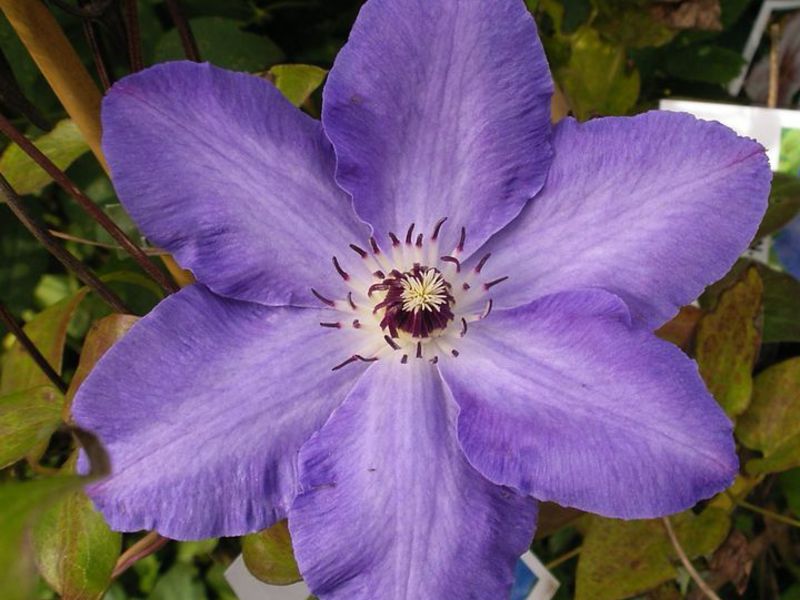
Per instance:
x=609, y=57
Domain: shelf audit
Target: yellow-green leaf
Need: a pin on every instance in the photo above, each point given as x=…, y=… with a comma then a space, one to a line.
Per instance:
x=771, y=424
x=27, y=420
x=269, y=556
x=598, y=80
x=63, y=145
x=75, y=550
x=297, y=82
x=624, y=558
x=728, y=339
x=48, y=331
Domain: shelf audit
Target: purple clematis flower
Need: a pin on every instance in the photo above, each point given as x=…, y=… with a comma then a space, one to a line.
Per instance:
x=421, y=315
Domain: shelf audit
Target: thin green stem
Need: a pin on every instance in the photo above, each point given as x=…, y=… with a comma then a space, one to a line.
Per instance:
x=564, y=558
x=768, y=513
x=687, y=564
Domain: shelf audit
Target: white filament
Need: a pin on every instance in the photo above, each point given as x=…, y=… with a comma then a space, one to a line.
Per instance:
x=424, y=293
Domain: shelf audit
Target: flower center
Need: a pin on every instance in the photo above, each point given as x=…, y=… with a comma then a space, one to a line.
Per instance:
x=417, y=302
x=409, y=300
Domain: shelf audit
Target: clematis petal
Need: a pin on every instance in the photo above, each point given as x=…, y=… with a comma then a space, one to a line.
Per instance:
x=220, y=170
x=203, y=406
x=390, y=508
x=652, y=208
x=440, y=108
x=563, y=400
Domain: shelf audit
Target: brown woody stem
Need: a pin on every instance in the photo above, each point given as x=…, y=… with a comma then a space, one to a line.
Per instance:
x=184, y=31
x=88, y=206
x=11, y=323
x=59, y=252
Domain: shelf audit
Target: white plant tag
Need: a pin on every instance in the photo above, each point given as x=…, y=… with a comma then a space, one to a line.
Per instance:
x=532, y=582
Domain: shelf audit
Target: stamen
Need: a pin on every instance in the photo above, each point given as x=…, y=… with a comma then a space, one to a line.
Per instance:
x=350, y=300
x=391, y=342
x=410, y=234
x=437, y=228
x=322, y=298
x=377, y=287
x=461, y=240
x=463, y=327
x=491, y=284
x=353, y=359
x=331, y=325
x=340, y=270
x=374, y=244
x=379, y=274
x=454, y=260
x=488, y=309
x=395, y=239
x=482, y=262
x=360, y=251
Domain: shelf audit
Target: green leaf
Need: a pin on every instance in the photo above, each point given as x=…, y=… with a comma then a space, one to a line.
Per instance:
x=20, y=505
x=790, y=151
x=597, y=79
x=728, y=340
x=790, y=485
x=23, y=264
x=222, y=42
x=631, y=26
x=771, y=424
x=74, y=548
x=704, y=63
x=188, y=551
x=27, y=420
x=181, y=582
x=781, y=316
x=48, y=331
x=297, y=82
x=103, y=334
x=63, y=145
x=268, y=555
x=784, y=204
x=624, y=558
